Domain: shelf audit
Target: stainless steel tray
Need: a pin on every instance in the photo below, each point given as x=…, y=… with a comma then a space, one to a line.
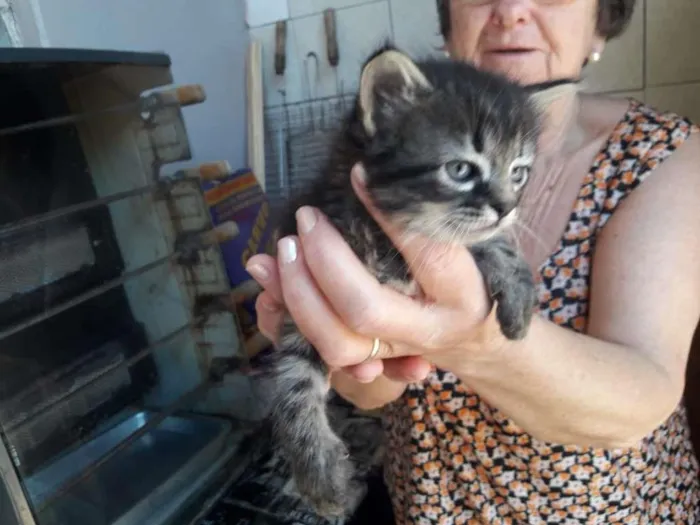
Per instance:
x=134, y=485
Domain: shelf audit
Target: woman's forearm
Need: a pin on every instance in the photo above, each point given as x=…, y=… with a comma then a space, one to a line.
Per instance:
x=568, y=388
x=367, y=396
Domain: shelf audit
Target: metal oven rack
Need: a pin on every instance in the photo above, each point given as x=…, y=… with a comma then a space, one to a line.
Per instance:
x=130, y=123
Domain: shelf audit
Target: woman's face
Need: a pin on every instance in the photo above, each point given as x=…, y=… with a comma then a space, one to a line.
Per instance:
x=530, y=41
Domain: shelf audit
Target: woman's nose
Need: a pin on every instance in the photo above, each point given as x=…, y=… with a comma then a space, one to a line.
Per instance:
x=511, y=13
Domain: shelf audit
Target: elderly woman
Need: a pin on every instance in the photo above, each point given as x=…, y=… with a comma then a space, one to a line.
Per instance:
x=582, y=421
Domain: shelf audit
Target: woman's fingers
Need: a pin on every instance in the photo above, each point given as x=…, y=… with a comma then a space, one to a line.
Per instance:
x=410, y=369
x=263, y=268
x=270, y=314
x=314, y=317
x=269, y=307
x=366, y=372
x=360, y=301
x=270, y=310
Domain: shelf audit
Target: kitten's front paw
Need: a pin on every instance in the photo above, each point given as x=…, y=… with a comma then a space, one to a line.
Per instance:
x=511, y=284
x=515, y=306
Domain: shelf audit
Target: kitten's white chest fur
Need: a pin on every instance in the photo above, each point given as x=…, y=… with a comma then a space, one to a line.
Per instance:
x=409, y=288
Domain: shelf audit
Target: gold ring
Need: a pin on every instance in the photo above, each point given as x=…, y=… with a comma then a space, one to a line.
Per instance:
x=376, y=345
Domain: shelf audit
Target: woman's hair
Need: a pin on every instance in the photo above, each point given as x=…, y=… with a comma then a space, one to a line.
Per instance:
x=613, y=17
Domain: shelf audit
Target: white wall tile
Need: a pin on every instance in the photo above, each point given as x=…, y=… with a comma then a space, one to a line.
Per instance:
x=262, y=12
x=622, y=64
x=682, y=99
x=416, y=26
x=299, y=8
x=316, y=75
x=306, y=35
x=673, y=41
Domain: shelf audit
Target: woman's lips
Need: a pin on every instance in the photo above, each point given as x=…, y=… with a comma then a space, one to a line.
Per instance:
x=508, y=55
x=511, y=51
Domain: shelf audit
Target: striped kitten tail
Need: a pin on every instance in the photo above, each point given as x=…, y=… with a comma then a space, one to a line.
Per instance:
x=301, y=430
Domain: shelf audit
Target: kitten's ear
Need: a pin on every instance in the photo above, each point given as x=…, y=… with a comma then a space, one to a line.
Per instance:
x=388, y=80
x=542, y=98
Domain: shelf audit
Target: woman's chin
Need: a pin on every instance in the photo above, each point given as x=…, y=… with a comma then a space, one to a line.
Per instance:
x=524, y=70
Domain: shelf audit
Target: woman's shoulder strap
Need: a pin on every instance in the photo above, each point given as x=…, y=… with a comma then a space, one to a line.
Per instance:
x=643, y=140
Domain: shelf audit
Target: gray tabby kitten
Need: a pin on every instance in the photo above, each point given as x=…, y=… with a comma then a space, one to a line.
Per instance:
x=447, y=150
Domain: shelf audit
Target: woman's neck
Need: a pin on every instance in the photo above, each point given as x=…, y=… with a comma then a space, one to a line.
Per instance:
x=562, y=131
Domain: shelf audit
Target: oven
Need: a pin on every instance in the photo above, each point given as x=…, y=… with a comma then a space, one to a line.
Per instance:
x=120, y=401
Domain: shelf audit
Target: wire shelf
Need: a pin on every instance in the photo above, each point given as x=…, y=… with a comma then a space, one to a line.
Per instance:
x=298, y=141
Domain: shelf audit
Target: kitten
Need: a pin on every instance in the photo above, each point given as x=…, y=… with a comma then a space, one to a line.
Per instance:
x=447, y=150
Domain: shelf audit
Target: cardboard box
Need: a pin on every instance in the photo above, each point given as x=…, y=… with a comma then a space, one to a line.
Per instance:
x=240, y=198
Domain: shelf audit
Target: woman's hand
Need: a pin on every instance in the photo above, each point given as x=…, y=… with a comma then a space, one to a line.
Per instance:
x=270, y=311
x=340, y=307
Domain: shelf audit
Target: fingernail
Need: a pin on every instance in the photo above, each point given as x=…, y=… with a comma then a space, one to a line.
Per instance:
x=306, y=219
x=287, y=249
x=259, y=272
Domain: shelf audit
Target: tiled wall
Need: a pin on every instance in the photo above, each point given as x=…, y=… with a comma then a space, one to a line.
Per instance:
x=362, y=26
x=657, y=59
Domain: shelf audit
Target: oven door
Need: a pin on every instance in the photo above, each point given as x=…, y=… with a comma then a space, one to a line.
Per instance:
x=110, y=412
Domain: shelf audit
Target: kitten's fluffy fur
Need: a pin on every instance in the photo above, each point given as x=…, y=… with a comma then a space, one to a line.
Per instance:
x=447, y=150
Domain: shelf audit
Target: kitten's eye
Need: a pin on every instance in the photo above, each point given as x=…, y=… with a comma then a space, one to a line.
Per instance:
x=519, y=175
x=461, y=171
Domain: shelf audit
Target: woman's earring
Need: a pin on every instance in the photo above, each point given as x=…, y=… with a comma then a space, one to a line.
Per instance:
x=595, y=56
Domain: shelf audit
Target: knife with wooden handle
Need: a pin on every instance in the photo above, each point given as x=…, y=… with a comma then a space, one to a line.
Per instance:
x=280, y=47
x=331, y=37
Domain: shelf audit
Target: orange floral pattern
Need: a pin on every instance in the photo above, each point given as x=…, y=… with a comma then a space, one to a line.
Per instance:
x=453, y=459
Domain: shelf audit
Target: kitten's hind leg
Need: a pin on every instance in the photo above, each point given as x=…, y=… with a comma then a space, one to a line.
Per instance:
x=510, y=283
x=301, y=430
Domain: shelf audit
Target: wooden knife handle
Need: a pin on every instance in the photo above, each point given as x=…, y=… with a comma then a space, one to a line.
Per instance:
x=280, y=47
x=180, y=95
x=192, y=94
x=331, y=37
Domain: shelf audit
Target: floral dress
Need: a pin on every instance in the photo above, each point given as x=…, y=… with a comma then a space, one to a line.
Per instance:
x=453, y=459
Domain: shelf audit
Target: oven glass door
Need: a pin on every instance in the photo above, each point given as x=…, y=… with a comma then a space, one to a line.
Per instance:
x=108, y=415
